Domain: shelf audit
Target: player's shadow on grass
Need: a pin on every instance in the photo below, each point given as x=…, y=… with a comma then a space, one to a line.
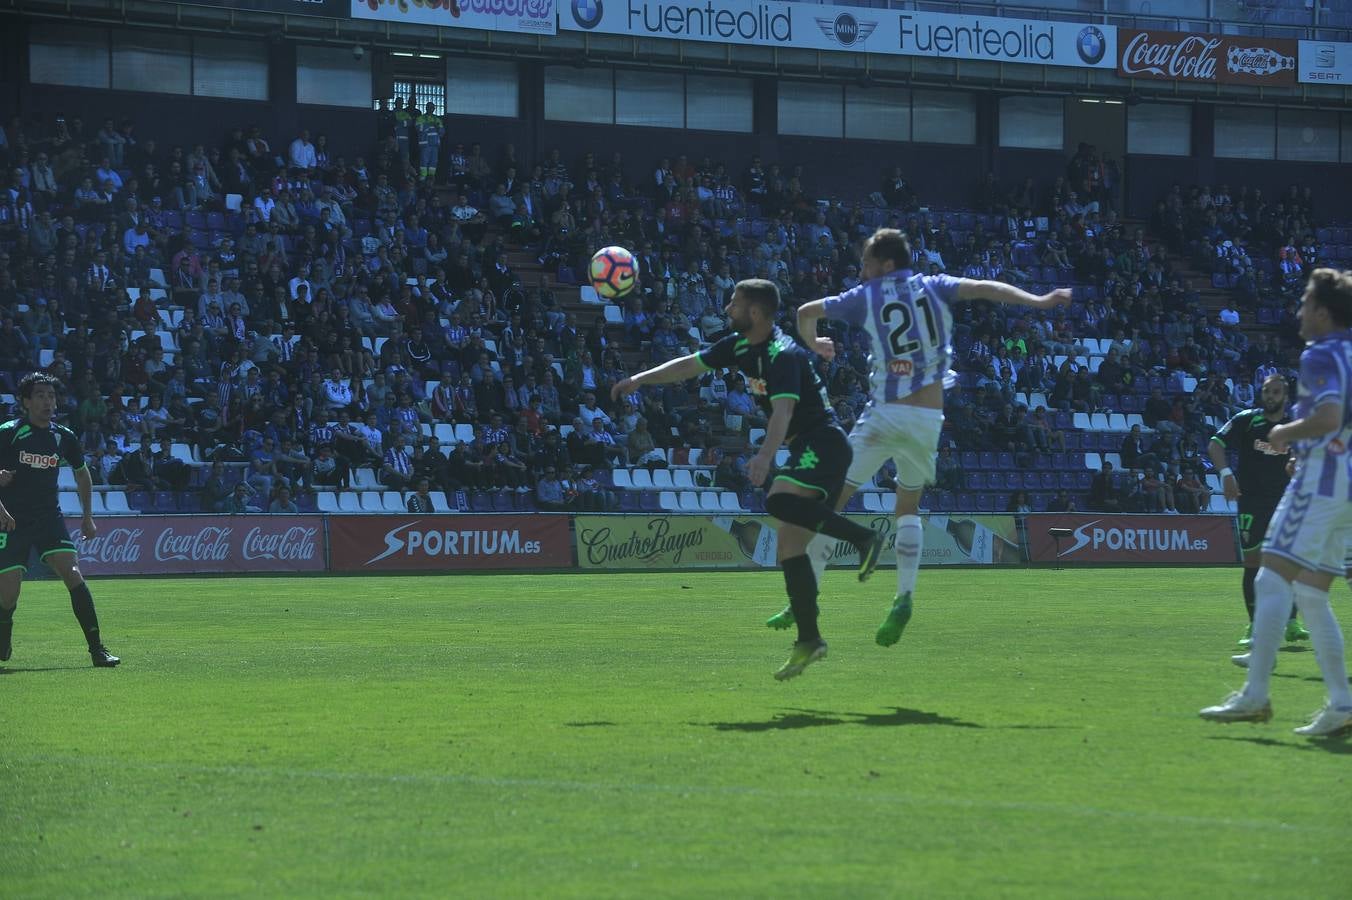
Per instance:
x=15, y=671
x=815, y=718
x=1338, y=744
x=596, y=724
x=1304, y=677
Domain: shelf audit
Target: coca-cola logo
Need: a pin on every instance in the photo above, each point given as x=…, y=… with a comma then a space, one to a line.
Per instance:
x=117, y=545
x=206, y=544
x=1190, y=58
x=296, y=543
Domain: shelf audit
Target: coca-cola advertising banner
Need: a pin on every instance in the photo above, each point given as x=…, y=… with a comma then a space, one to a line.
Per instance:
x=1206, y=58
x=1141, y=539
x=449, y=543
x=171, y=545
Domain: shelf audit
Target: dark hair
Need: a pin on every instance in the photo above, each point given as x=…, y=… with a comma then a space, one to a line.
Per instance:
x=889, y=243
x=1332, y=290
x=33, y=379
x=762, y=293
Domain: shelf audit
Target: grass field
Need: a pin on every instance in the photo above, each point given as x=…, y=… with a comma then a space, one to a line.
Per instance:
x=1033, y=735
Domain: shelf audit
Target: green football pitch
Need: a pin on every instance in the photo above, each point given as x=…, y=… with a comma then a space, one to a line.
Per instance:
x=1034, y=734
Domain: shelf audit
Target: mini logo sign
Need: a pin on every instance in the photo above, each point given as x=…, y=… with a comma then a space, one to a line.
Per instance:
x=846, y=30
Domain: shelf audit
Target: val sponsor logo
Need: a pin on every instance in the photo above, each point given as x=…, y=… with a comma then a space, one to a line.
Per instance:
x=296, y=543
x=39, y=460
x=900, y=367
x=846, y=30
x=409, y=540
x=1111, y=538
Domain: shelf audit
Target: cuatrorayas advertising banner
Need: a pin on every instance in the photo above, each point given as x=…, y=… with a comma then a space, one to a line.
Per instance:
x=403, y=543
x=749, y=542
x=1140, y=539
x=213, y=544
x=1207, y=58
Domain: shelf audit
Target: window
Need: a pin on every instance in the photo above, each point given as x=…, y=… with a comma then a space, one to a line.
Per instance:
x=811, y=109
x=152, y=62
x=877, y=113
x=421, y=93
x=1035, y=123
x=1160, y=129
x=649, y=98
x=68, y=54
x=330, y=76
x=943, y=117
x=225, y=68
x=482, y=87
x=579, y=95
x=718, y=104
x=1347, y=137
x=1307, y=135
x=1244, y=132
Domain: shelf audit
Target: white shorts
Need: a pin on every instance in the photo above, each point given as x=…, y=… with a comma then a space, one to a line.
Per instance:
x=1312, y=531
x=907, y=435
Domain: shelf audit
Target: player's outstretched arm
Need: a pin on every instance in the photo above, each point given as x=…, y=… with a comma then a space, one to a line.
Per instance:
x=680, y=369
x=1326, y=419
x=1215, y=448
x=775, y=432
x=808, y=315
x=999, y=292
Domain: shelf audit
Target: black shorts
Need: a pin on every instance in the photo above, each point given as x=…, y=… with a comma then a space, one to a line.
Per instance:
x=1254, y=515
x=818, y=459
x=47, y=535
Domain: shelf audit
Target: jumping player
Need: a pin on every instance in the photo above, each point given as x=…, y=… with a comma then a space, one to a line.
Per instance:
x=1257, y=486
x=32, y=448
x=907, y=319
x=1307, y=541
x=782, y=379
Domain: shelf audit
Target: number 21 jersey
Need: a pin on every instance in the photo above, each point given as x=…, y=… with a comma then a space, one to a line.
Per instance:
x=909, y=327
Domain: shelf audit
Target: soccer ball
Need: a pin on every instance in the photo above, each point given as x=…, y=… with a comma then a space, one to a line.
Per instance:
x=613, y=272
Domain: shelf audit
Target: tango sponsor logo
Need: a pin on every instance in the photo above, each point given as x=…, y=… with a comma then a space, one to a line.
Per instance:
x=662, y=539
x=39, y=460
x=409, y=541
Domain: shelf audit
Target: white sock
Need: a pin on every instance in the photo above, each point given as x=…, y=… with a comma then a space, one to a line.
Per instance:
x=909, y=542
x=818, y=549
x=1327, y=639
x=1272, y=607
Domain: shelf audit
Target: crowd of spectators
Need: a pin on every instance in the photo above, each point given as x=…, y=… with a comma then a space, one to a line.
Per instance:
x=325, y=312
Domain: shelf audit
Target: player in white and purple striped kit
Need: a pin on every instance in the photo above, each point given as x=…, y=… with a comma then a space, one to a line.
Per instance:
x=910, y=327
x=1312, y=527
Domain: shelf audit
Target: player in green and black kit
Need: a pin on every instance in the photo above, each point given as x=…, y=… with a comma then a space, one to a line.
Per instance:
x=781, y=377
x=1258, y=486
x=32, y=450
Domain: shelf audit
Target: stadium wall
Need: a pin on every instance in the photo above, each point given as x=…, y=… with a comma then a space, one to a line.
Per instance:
x=407, y=543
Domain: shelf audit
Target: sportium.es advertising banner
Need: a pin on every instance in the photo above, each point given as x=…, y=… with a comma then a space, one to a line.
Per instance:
x=1141, y=539
x=809, y=26
x=1206, y=58
x=448, y=543
x=533, y=16
x=749, y=542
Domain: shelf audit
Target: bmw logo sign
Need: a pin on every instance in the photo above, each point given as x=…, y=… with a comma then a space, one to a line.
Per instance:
x=587, y=13
x=847, y=29
x=1091, y=44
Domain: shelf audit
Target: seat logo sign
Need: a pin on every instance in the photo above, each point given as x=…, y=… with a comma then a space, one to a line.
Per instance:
x=587, y=13
x=846, y=30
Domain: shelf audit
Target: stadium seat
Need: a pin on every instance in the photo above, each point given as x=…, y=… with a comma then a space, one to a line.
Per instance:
x=688, y=501
x=69, y=503
x=115, y=502
x=667, y=501
x=642, y=479
x=364, y=478
x=1093, y=461
x=1220, y=505
x=729, y=502
x=444, y=432
x=620, y=478
x=1117, y=422
x=587, y=294
x=1081, y=421
x=755, y=436
x=439, y=502
x=681, y=479
x=327, y=501
x=464, y=432
x=370, y=502
x=694, y=456
x=662, y=479
x=565, y=430
x=781, y=457
x=65, y=479
x=347, y=502
x=1135, y=419
x=1115, y=459
x=392, y=502
x=1098, y=422
x=708, y=500
x=182, y=453
x=1036, y=399
x=613, y=314
x=873, y=502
